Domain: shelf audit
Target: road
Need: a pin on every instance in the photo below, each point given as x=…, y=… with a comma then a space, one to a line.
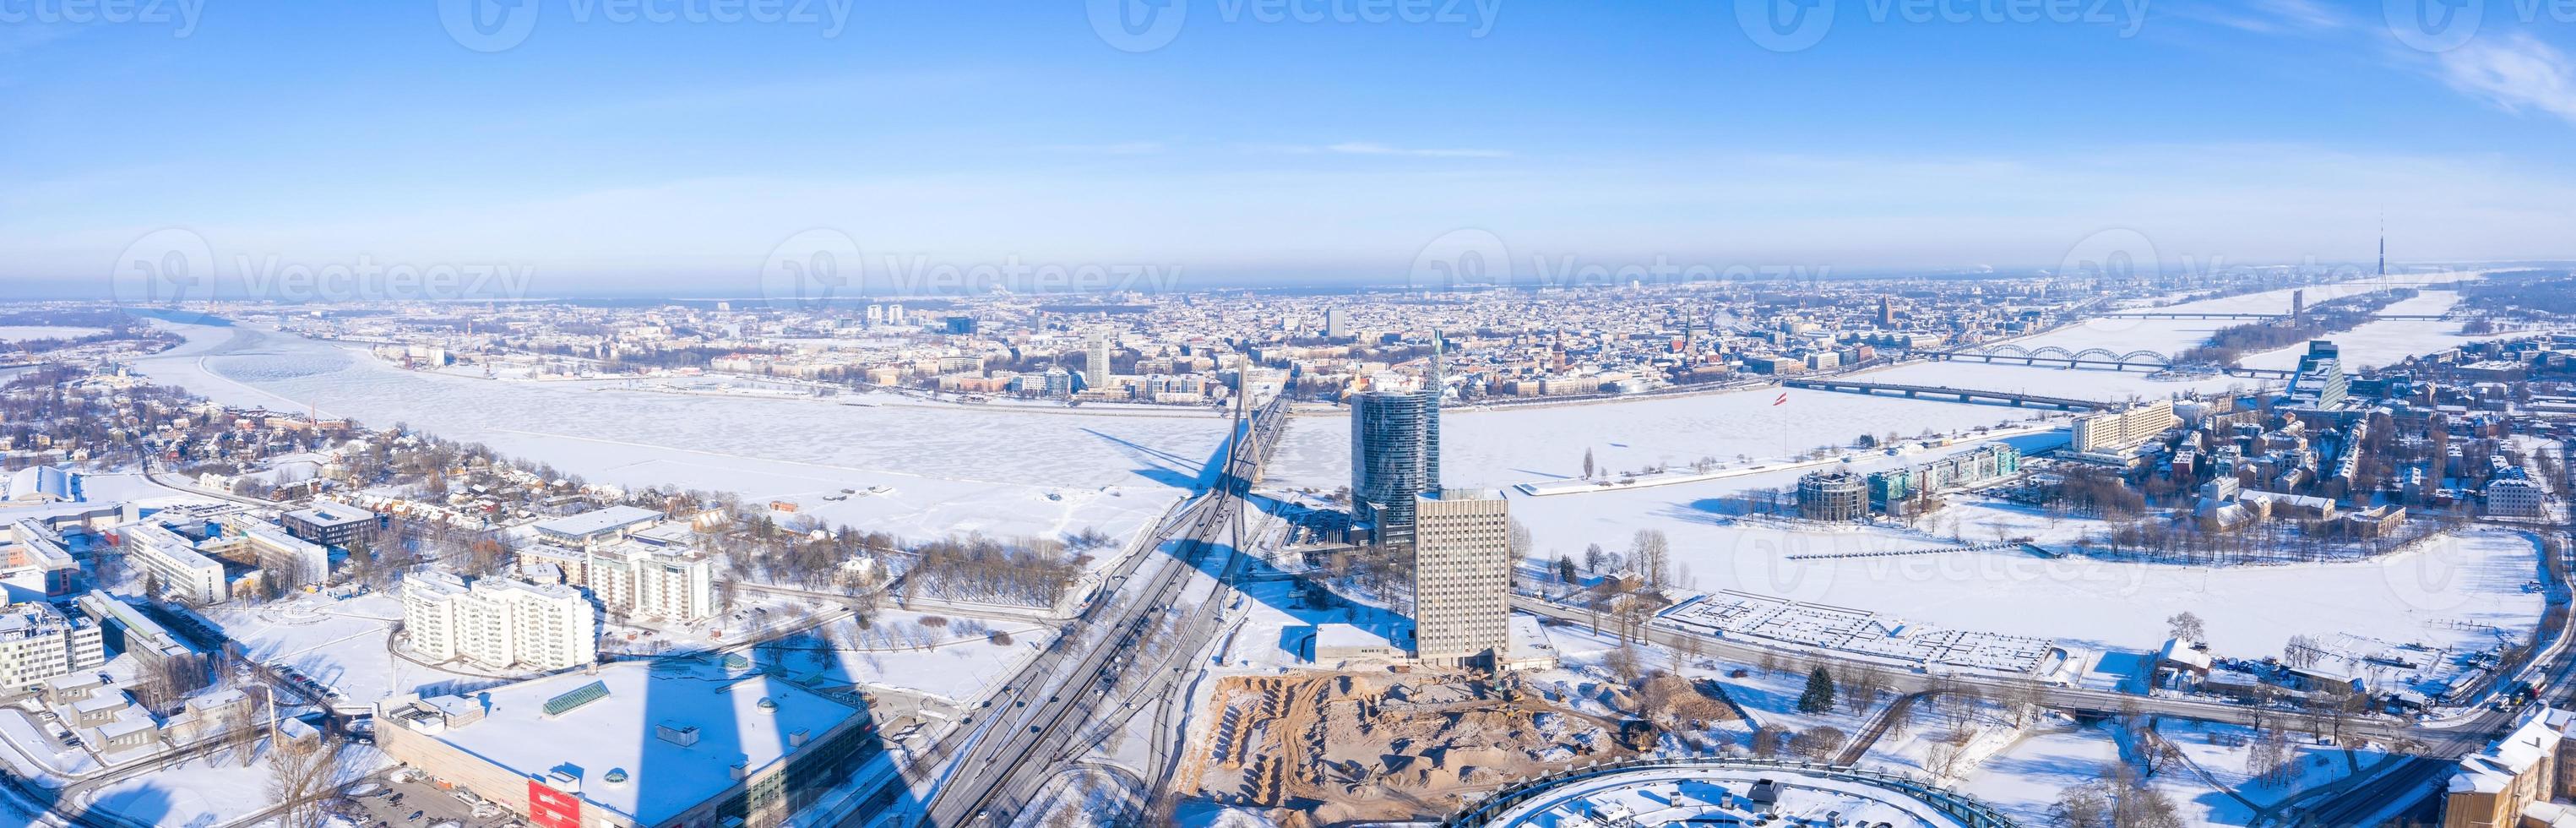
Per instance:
x=2449, y=740
x=1117, y=649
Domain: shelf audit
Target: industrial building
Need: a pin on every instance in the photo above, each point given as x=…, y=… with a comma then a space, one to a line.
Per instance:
x=636, y=745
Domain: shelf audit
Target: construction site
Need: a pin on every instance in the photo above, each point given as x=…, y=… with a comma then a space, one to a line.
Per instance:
x=1330, y=748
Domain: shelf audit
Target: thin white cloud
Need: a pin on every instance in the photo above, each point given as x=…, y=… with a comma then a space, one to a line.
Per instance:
x=2516, y=72
x=2267, y=16
x=1366, y=148
x=1373, y=148
x=1118, y=148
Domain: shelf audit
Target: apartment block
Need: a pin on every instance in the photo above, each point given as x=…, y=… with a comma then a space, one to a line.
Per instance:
x=498, y=623
x=38, y=642
x=2119, y=431
x=172, y=560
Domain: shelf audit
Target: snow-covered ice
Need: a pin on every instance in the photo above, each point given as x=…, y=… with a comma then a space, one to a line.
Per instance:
x=942, y=468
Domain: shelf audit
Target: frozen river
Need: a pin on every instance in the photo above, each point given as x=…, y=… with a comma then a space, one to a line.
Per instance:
x=949, y=468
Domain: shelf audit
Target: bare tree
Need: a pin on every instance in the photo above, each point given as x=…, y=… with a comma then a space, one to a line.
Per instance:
x=302, y=777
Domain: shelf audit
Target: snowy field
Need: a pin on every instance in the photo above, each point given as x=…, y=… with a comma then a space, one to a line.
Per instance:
x=343, y=644
x=2452, y=591
x=943, y=469
x=951, y=666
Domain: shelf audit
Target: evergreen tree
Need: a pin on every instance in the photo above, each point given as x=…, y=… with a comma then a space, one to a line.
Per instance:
x=1819, y=697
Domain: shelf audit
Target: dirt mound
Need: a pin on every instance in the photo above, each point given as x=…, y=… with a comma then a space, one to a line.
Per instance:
x=1394, y=746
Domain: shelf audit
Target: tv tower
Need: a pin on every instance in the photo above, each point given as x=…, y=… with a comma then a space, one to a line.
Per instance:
x=2383, y=245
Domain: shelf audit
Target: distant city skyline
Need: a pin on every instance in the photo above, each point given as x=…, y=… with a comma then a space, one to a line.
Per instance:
x=603, y=155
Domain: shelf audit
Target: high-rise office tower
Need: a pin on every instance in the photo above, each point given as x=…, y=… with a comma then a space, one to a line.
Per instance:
x=1395, y=454
x=1095, y=369
x=1462, y=570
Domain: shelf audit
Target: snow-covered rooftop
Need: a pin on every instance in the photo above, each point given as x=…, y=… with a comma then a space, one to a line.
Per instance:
x=597, y=521
x=618, y=732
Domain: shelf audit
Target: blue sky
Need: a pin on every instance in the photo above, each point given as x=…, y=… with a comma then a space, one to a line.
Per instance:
x=598, y=150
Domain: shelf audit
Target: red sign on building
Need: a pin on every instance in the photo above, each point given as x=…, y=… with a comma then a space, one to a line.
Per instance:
x=550, y=808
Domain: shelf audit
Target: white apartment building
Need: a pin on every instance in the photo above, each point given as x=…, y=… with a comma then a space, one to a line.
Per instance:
x=2516, y=497
x=38, y=642
x=1462, y=571
x=498, y=623
x=651, y=582
x=173, y=560
x=2124, y=430
x=247, y=539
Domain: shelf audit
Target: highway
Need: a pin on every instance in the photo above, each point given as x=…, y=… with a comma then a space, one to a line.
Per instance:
x=990, y=768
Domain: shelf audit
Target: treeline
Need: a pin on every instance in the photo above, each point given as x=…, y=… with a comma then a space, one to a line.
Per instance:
x=803, y=555
x=2230, y=343
x=2175, y=542
x=1031, y=572
x=2523, y=295
x=2095, y=492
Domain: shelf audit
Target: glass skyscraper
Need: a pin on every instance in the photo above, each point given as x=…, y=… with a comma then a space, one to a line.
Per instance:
x=1395, y=454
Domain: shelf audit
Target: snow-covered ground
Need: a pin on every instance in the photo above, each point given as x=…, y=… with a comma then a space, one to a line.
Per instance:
x=1499, y=447
x=943, y=469
x=2387, y=341
x=2452, y=591
x=21, y=333
x=939, y=661
x=2026, y=778
x=342, y=643
x=213, y=790
x=32, y=752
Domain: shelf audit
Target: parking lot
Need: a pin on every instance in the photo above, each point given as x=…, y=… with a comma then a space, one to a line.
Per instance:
x=419, y=804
